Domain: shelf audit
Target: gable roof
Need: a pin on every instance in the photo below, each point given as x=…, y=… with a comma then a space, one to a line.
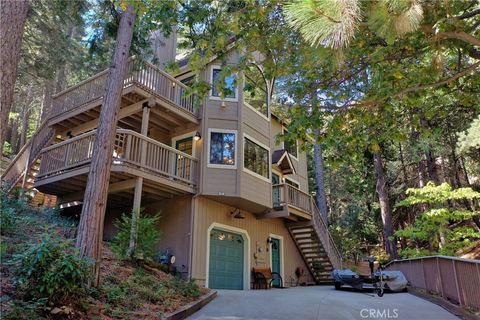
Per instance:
x=282, y=160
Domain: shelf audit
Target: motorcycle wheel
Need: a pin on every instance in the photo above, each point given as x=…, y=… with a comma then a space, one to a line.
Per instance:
x=338, y=285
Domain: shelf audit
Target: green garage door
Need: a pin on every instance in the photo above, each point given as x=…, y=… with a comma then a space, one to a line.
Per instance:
x=226, y=260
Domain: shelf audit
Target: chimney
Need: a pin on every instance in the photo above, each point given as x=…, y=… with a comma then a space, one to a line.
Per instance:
x=164, y=49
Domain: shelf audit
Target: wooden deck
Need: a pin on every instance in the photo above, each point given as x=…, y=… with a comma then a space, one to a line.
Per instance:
x=77, y=108
x=64, y=167
x=291, y=203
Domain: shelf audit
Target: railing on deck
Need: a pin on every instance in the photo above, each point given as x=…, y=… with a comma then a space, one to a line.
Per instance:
x=139, y=72
x=455, y=279
x=28, y=155
x=285, y=194
x=157, y=157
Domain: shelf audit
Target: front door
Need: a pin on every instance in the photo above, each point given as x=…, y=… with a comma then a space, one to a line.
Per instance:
x=226, y=260
x=276, y=260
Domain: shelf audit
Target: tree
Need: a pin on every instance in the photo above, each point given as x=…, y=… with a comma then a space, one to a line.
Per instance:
x=12, y=21
x=90, y=231
x=444, y=226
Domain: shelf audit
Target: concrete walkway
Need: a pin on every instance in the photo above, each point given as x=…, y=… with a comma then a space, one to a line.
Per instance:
x=318, y=302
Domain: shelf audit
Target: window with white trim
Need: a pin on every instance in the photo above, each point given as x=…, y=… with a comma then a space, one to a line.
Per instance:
x=256, y=158
x=292, y=183
x=255, y=90
x=229, y=86
x=222, y=147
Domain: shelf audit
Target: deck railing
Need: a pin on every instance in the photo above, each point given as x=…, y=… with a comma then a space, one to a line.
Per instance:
x=285, y=194
x=140, y=73
x=27, y=155
x=157, y=157
x=455, y=279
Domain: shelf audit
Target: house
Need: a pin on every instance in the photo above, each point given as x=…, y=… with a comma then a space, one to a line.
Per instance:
x=231, y=197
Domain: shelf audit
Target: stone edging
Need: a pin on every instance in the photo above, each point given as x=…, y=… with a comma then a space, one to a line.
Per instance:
x=191, y=308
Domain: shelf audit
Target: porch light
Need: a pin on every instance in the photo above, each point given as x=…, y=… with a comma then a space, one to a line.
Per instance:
x=197, y=136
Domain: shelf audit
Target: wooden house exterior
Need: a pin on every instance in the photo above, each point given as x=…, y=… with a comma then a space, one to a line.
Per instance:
x=231, y=197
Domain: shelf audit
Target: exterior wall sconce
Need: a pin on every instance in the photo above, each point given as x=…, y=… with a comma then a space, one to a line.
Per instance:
x=269, y=240
x=197, y=136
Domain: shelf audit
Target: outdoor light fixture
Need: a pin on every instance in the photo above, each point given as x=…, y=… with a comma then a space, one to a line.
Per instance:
x=197, y=136
x=269, y=240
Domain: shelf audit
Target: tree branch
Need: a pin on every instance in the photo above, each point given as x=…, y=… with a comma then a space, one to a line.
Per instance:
x=460, y=35
x=467, y=15
x=440, y=83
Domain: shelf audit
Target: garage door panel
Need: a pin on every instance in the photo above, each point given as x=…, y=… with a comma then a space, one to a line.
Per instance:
x=226, y=260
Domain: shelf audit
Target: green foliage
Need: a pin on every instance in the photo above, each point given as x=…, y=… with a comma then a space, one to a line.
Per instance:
x=444, y=223
x=52, y=270
x=148, y=235
x=142, y=287
x=26, y=310
x=470, y=139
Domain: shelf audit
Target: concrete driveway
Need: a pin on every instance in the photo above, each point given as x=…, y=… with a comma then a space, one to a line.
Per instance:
x=318, y=302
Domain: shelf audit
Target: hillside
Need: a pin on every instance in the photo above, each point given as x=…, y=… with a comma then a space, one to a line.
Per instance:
x=127, y=290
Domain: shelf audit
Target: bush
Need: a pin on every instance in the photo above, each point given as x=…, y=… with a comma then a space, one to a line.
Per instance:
x=148, y=235
x=52, y=270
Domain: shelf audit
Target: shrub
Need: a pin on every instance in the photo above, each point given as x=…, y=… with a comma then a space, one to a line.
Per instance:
x=52, y=270
x=148, y=235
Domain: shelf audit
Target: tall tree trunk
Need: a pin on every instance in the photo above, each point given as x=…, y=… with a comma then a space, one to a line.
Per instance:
x=429, y=156
x=385, y=210
x=90, y=230
x=61, y=79
x=25, y=119
x=14, y=136
x=47, y=99
x=12, y=22
x=321, y=199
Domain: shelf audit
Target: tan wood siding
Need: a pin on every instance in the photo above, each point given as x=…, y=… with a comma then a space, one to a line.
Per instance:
x=300, y=163
x=175, y=227
x=208, y=211
x=255, y=121
x=256, y=189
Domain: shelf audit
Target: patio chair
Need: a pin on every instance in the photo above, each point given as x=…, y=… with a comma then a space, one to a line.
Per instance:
x=263, y=278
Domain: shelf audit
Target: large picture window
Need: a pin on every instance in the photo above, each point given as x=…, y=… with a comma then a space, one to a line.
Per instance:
x=222, y=148
x=229, y=87
x=256, y=158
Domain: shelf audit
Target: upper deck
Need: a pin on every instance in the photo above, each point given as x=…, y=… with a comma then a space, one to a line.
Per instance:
x=77, y=109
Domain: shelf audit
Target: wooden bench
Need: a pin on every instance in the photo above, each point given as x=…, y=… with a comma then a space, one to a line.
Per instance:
x=264, y=277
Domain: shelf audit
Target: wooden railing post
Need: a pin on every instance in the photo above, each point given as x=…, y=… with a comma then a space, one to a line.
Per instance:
x=456, y=283
x=440, y=278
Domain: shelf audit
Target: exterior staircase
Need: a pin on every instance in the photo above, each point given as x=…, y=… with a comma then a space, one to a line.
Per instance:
x=24, y=167
x=316, y=246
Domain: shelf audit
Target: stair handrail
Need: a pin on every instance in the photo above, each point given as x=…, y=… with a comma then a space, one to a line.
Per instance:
x=27, y=147
x=318, y=216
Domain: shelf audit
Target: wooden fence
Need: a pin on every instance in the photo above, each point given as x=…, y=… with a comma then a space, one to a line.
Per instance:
x=455, y=279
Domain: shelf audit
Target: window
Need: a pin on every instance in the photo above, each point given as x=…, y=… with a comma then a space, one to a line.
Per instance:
x=222, y=148
x=229, y=87
x=292, y=183
x=256, y=158
x=290, y=146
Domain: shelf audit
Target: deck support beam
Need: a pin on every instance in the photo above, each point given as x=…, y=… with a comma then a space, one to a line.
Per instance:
x=137, y=196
